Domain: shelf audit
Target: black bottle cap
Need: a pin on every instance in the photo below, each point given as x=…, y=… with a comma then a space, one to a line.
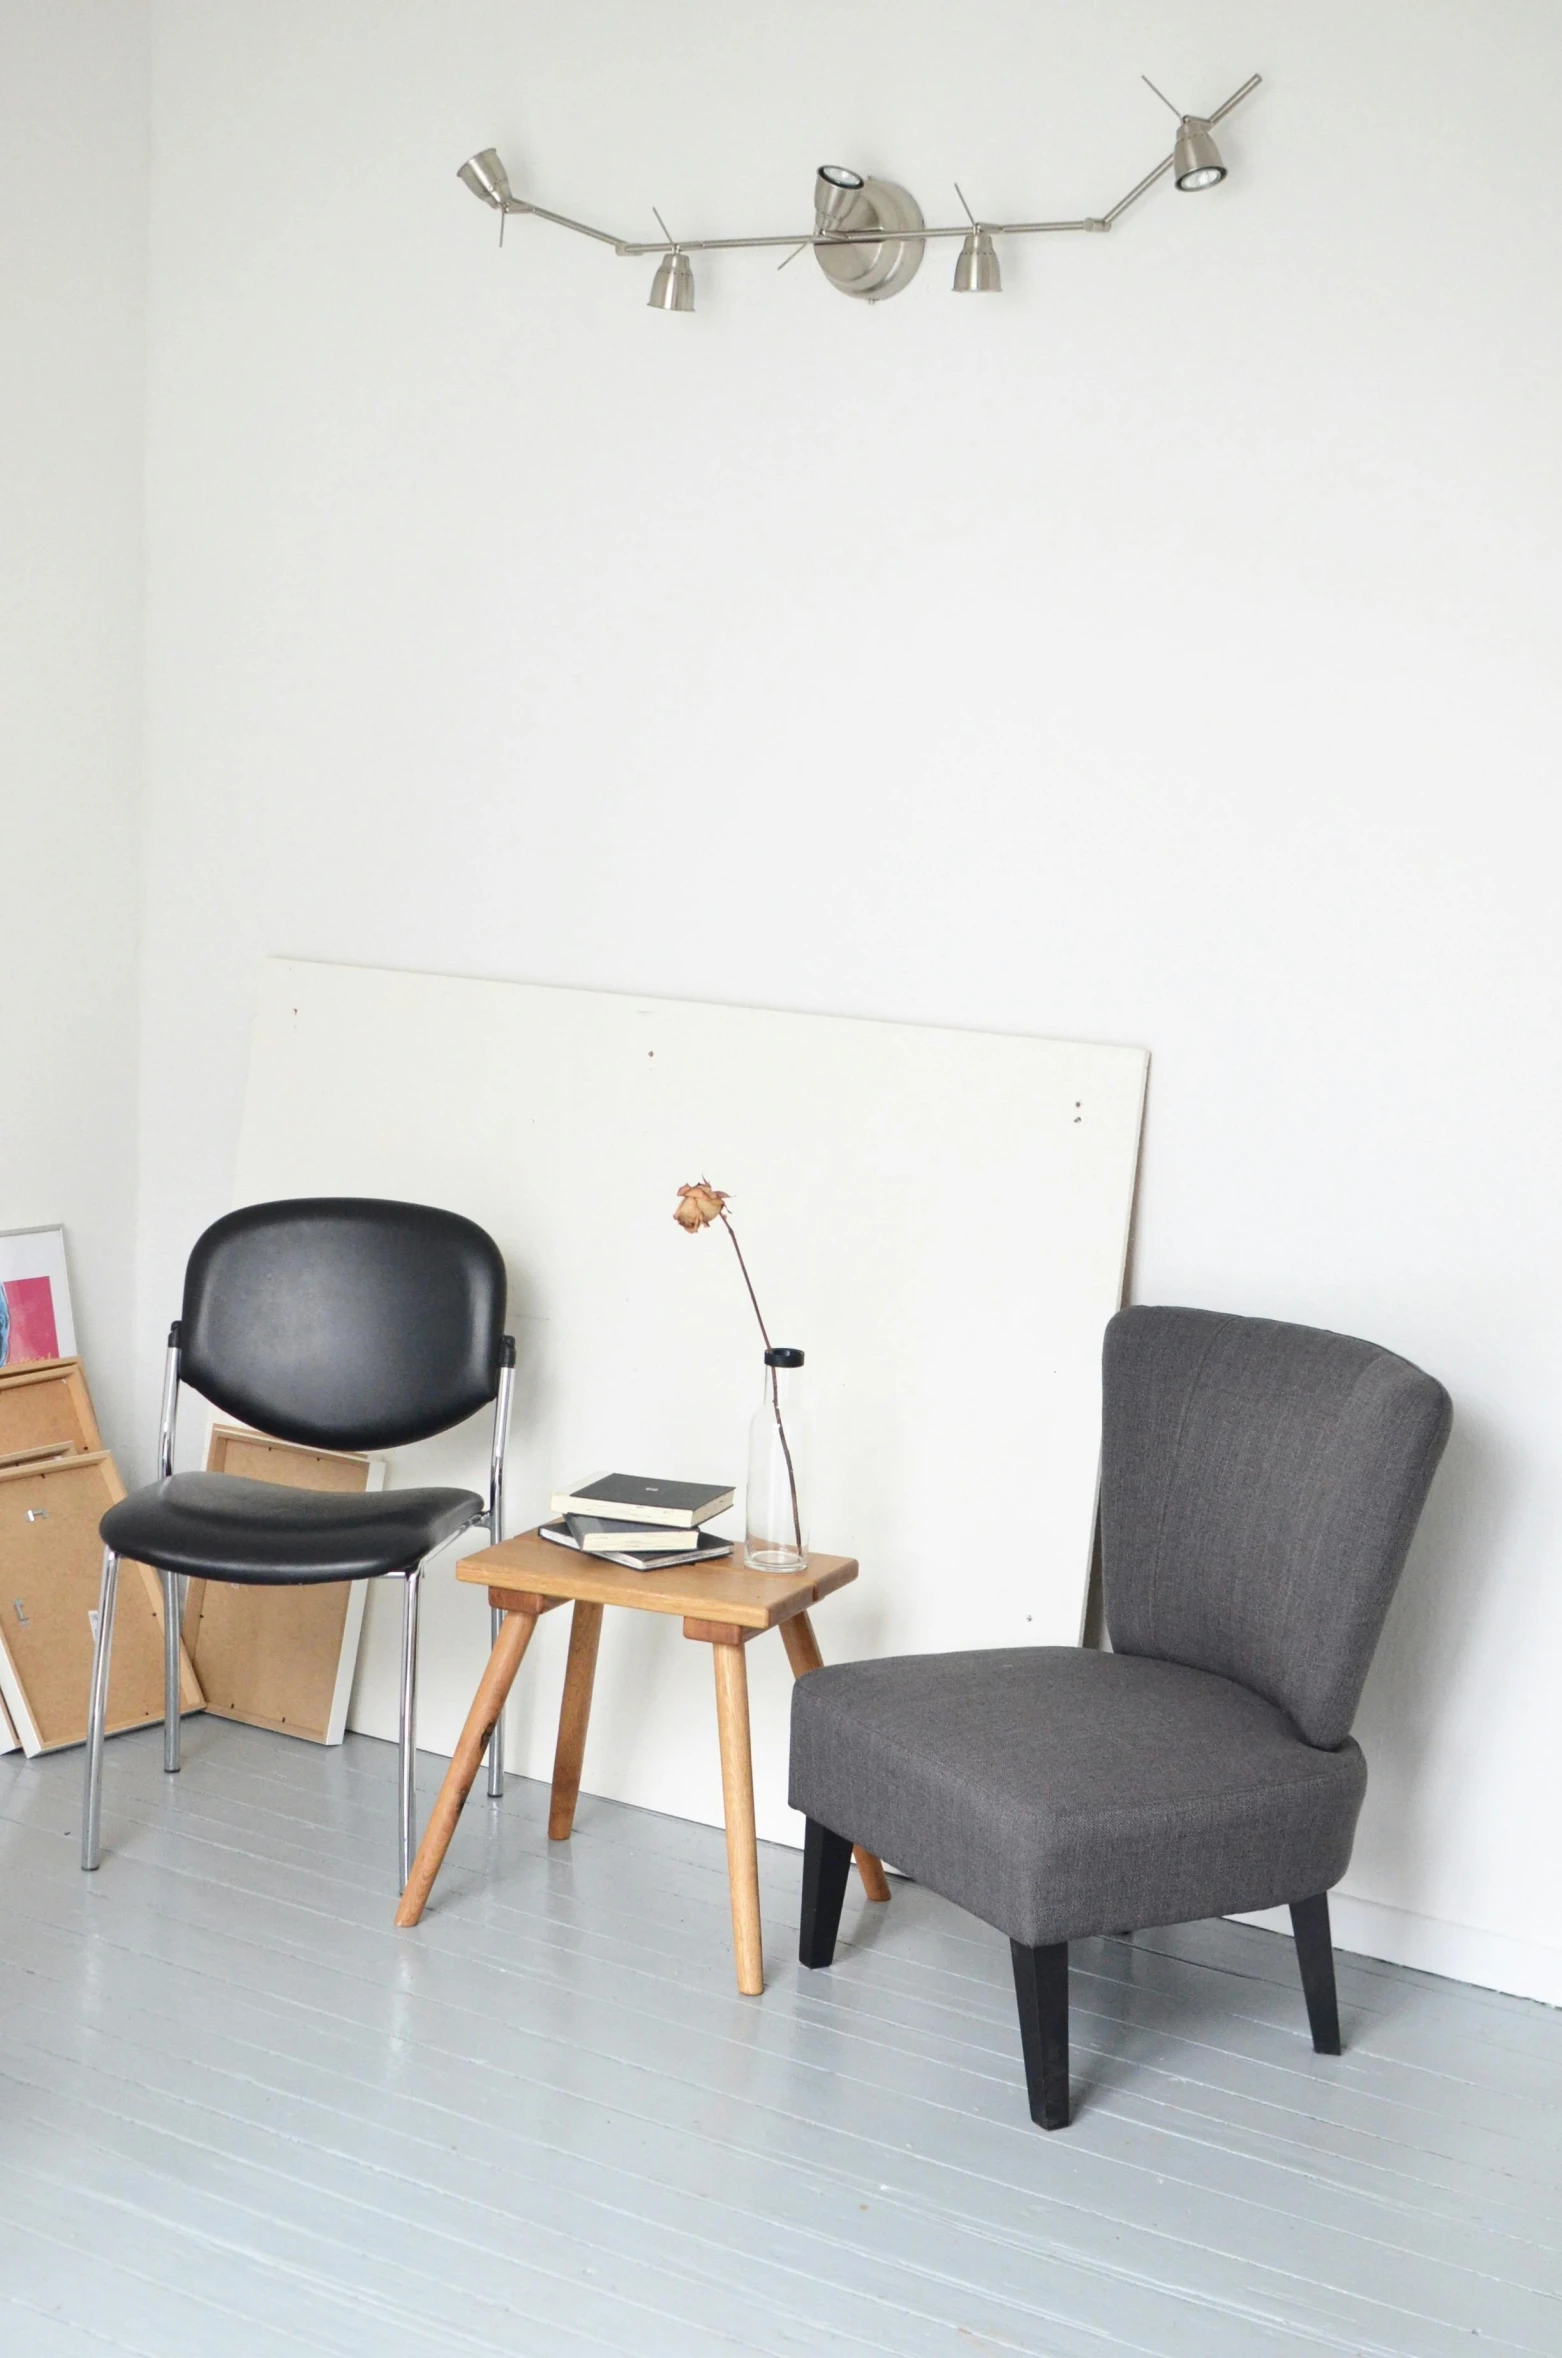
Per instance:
x=783, y=1356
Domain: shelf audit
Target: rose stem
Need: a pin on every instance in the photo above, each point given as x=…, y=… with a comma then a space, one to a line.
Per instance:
x=747, y=1280
x=775, y=1387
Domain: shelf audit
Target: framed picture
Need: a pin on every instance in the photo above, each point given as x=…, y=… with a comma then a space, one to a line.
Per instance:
x=35, y=1298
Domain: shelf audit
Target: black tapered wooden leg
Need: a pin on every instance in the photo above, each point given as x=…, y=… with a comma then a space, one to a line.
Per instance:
x=827, y=1861
x=1041, y=1987
x=1315, y=1955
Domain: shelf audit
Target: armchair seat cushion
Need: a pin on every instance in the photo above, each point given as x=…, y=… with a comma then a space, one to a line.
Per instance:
x=1057, y=1792
x=227, y=1528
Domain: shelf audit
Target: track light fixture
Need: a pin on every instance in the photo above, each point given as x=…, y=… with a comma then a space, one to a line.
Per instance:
x=976, y=266
x=869, y=235
x=836, y=189
x=487, y=178
x=1197, y=158
x=672, y=289
x=976, y=269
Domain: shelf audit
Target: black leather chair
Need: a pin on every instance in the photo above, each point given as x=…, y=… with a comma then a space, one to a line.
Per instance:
x=341, y=1322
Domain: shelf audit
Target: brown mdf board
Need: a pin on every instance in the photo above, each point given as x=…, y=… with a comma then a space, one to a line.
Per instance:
x=31, y=1457
x=45, y=1412
x=46, y=1409
x=280, y=1658
x=50, y=1565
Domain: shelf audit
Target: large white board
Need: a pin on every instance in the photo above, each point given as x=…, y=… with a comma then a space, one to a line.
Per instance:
x=938, y=1218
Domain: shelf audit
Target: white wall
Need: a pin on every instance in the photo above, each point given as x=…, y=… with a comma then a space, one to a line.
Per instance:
x=73, y=213
x=1163, y=652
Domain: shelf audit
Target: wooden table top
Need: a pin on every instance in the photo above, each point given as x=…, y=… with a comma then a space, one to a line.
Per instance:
x=726, y=1591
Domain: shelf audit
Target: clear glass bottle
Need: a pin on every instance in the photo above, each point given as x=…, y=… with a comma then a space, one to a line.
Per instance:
x=777, y=1538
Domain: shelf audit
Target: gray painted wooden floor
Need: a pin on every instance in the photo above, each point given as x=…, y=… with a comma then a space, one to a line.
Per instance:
x=240, y=2114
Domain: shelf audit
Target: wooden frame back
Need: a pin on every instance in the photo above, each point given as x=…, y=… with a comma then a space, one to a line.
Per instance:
x=280, y=1658
x=46, y=1411
x=50, y=1567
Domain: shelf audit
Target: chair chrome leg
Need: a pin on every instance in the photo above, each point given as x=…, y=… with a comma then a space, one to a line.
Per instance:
x=97, y=1712
x=496, y=1740
x=409, y=1716
x=171, y=1721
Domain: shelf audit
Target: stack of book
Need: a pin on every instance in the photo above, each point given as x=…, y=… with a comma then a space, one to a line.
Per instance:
x=647, y=1525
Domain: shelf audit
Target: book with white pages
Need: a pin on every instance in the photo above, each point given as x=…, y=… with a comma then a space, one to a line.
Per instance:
x=634, y=1498
x=601, y=1535
x=706, y=1548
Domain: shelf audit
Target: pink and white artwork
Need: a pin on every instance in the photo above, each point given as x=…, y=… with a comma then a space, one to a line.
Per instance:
x=35, y=1301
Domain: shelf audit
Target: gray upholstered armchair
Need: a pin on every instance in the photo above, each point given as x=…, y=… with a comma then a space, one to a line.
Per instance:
x=1260, y=1484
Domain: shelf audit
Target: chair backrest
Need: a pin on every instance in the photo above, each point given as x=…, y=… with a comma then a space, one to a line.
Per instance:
x=344, y=1321
x=1259, y=1487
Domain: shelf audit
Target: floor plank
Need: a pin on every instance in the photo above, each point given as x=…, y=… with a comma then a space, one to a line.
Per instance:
x=241, y=2107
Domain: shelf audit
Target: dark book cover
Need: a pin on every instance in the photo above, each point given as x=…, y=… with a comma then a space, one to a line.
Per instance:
x=634, y=1498
x=704, y=1548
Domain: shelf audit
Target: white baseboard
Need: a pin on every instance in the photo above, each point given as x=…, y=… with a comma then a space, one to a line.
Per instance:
x=1492, y=1960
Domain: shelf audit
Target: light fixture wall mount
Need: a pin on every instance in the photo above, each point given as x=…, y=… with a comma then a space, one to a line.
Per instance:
x=869, y=235
x=868, y=247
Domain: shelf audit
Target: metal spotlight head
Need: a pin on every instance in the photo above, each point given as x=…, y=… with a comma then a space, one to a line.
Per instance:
x=487, y=178
x=976, y=270
x=836, y=189
x=1197, y=161
x=672, y=289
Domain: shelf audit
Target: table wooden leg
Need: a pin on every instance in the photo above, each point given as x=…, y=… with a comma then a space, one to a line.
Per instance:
x=580, y=1671
x=737, y=1793
x=802, y=1651
x=503, y=1663
x=875, y=1883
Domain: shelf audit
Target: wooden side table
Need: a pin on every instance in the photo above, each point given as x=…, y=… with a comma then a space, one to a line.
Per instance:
x=722, y=1606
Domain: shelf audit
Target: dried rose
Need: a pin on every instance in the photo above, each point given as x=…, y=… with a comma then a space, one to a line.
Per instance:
x=698, y=1206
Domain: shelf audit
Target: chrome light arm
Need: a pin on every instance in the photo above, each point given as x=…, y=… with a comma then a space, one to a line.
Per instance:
x=170, y=1417
x=501, y=199
x=502, y=1398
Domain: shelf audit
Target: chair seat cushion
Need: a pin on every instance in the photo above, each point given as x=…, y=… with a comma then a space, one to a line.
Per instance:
x=229, y=1529
x=1056, y=1792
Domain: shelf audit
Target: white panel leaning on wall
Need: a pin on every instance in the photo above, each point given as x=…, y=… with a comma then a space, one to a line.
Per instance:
x=939, y=1218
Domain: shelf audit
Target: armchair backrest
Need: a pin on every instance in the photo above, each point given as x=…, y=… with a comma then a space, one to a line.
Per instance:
x=345, y=1322
x=1259, y=1487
